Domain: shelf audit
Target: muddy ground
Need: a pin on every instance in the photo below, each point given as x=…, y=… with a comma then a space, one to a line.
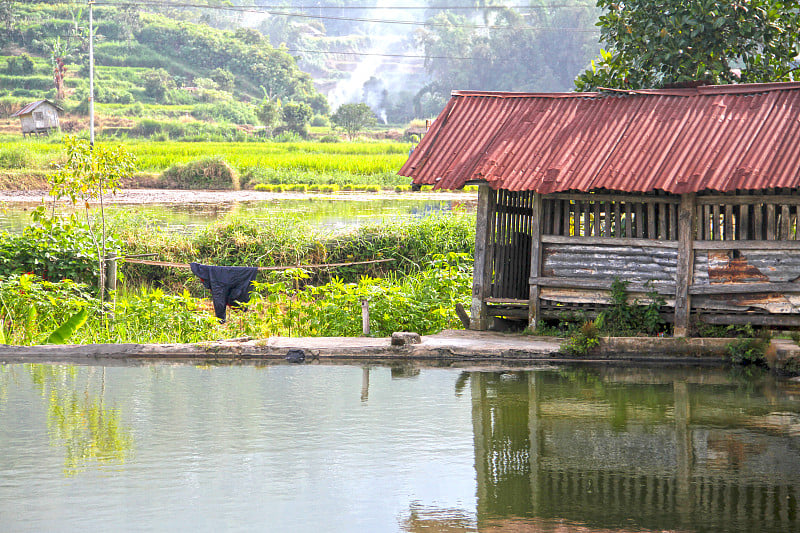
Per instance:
x=174, y=196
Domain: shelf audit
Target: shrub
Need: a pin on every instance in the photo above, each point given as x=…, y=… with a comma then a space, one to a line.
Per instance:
x=211, y=173
x=320, y=121
x=330, y=139
x=750, y=351
x=582, y=341
x=53, y=249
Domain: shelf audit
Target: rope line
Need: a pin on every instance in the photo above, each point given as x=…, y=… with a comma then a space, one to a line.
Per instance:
x=323, y=265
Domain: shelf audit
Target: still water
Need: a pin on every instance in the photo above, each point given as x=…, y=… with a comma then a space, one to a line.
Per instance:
x=374, y=448
x=323, y=212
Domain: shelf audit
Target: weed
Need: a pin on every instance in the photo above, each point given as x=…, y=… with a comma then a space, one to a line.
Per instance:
x=582, y=341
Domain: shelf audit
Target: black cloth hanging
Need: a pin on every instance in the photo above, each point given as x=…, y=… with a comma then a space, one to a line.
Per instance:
x=229, y=285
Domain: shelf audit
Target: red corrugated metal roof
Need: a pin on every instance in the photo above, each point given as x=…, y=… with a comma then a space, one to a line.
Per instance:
x=721, y=137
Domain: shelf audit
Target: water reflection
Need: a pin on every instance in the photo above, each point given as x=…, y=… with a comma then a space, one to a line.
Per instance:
x=616, y=449
x=78, y=420
x=408, y=447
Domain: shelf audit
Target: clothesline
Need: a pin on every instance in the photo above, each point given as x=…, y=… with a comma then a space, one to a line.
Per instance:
x=323, y=265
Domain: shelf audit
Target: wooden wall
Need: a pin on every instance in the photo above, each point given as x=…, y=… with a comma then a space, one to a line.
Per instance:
x=724, y=258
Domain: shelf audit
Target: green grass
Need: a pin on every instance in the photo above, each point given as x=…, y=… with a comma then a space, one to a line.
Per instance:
x=263, y=162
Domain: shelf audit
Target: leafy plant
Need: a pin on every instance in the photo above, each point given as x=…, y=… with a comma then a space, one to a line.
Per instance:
x=750, y=351
x=582, y=341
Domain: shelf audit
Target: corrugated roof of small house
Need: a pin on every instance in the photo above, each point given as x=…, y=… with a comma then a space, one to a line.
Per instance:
x=32, y=106
x=722, y=138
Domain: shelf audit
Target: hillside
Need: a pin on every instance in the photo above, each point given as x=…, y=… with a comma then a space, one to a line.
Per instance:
x=156, y=73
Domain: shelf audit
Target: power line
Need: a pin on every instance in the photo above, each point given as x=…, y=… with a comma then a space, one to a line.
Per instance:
x=349, y=19
x=410, y=56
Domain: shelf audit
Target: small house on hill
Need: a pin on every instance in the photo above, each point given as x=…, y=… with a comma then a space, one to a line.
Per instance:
x=693, y=193
x=37, y=118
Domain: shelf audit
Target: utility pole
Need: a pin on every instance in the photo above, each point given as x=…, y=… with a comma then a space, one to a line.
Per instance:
x=91, y=74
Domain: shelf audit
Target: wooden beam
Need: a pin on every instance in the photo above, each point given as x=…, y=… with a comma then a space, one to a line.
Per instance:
x=613, y=198
x=610, y=241
x=482, y=274
x=744, y=288
x=594, y=283
x=747, y=245
x=740, y=200
x=683, y=276
x=534, y=305
x=756, y=320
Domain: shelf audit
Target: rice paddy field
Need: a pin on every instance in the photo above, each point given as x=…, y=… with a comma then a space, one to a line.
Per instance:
x=262, y=162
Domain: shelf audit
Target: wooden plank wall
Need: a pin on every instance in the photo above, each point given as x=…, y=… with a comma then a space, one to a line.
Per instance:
x=742, y=251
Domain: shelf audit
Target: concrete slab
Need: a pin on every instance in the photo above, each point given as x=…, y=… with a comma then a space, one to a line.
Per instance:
x=447, y=346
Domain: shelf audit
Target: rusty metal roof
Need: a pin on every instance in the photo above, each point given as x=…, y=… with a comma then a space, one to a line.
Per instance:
x=33, y=105
x=722, y=138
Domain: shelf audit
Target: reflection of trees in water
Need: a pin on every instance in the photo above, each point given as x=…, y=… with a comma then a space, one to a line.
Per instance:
x=649, y=449
x=88, y=430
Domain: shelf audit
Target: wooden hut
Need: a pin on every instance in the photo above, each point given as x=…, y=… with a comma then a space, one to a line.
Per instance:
x=693, y=193
x=37, y=118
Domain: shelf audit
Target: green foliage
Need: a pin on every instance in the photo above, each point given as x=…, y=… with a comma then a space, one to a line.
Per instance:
x=87, y=168
x=14, y=158
x=353, y=118
x=700, y=40
x=297, y=115
x=21, y=65
x=227, y=111
x=750, y=351
x=209, y=173
x=423, y=302
x=68, y=328
x=269, y=114
x=52, y=248
x=623, y=319
x=581, y=342
x=156, y=83
x=30, y=307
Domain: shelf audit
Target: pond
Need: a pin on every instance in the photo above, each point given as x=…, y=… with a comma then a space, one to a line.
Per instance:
x=332, y=212
x=166, y=447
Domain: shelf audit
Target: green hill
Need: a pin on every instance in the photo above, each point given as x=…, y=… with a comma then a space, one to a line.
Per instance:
x=155, y=73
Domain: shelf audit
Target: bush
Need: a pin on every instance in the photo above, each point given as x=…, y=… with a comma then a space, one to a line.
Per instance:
x=582, y=341
x=230, y=111
x=211, y=173
x=320, y=121
x=52, y=249
x=750, y=351
x=330, y=139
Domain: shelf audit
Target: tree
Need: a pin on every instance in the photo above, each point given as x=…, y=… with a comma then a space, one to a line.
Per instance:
x=156, y=83
x=352, y=118
x=269, y=114
x=297, y=115
x=653, y=44
x=88, y=172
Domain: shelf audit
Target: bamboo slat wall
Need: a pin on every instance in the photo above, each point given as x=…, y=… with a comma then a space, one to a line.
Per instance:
x=511, y=242
x=741, y=253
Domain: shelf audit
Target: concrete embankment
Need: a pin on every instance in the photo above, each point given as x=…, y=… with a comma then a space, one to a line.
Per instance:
x=448, y=346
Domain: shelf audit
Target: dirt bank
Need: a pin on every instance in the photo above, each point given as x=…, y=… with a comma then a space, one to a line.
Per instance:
x=175, y=196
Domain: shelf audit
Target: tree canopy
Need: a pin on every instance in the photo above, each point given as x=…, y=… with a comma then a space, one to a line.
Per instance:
x=653, y=43
x=352, y=118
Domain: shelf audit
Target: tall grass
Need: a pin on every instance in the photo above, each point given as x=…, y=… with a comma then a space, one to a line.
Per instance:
x=287, y=240
x=265, y=162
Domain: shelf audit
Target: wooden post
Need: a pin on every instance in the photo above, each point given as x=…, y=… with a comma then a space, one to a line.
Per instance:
x=111, y=273
x=365, y=317
x=534, y=305
x=683, y=281
x=482, y=273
